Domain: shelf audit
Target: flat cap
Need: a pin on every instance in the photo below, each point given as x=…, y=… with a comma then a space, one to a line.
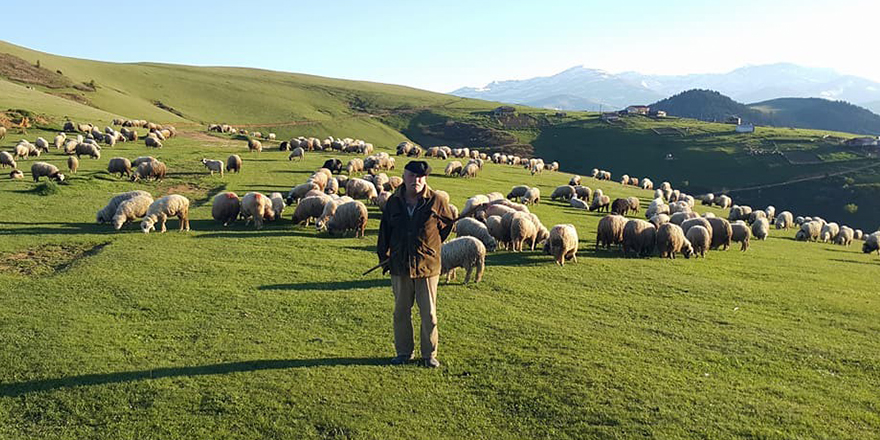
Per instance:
x=418, y=167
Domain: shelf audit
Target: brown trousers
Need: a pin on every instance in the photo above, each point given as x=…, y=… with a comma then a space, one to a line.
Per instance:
x=424, y=292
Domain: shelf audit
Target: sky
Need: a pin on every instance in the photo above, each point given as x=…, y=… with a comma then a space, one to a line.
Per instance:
x=441, y=46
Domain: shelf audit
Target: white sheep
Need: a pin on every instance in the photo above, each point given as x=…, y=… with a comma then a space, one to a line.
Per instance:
x=258, y=207
x=562, y=243
x=761, y=228
x=214, y=166
x=168, y=206
x=40, y=169
x=131, y=209
x=6, y=160
x=671, y=240
x=233, y=163
x=466, y=252
x=226, y=207
x=700, y=239
x=532, y=196
x=470, y=227
x=298, y=153
x=350, y=216
x=784, y=220
x=278, y=205
x=845, y=236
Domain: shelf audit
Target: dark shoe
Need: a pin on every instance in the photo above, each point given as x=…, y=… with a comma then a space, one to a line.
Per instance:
x=401, y=359
x=430, y=363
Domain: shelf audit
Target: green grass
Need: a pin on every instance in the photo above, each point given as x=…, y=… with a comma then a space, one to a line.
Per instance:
x=238, y=333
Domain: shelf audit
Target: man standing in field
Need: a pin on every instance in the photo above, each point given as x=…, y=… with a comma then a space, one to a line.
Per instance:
x=414, y=225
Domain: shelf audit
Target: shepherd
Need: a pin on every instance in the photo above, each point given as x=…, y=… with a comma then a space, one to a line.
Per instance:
x=414, y=225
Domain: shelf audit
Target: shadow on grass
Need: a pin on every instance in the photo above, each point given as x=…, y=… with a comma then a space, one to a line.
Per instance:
x=65, y=228
x=210, y=195
x=34, y=386
x=869, y=263
x=331, y=285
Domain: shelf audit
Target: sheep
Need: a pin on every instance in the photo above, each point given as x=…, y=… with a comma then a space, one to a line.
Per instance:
x=521, y=229
x=610, y=231
x=149, y=170
x=6, y=160
x=562, y=243
x=214, y=166
x=809, y=231
x=601, y=203
x=360, y=189
x=2, y=132
x=721, y=233
x=659, y=219
x=470, y=227
x=310, y=208
x=647, y=184
x=152, y=141
x=131, y=209
x=723, y=201
x=106, y=213
x=583, y=192
x=770, y=211
x=40, y=169
x=575, y=180
x=72, y=164
x=354, y=166
x=335, y=165
x=845, y=236
x=24, y=150
x=168, y=206
x=16, y=174
x=639, y=236
x=119, y=165
x=298, y=153
x=473, y=204
x=277, y=205
x=872, y=243
x=671, y=240
x=784, y=220
x=226, y=207
x=620, y=206
x=679, y=217
x=42, y=144
x=858, y=234
x=332, y=187
x=258, y=207
x=761, y=228
x=634, y=204
x=298, y=192
x=828, y=232
x=691, y=222
x=578, y=203
x=453, y=168
x=142, y=159
x=598, y=193
x=466, y=252
x=741, y=233
x=542, y=232
x=254, y=145
x=517, y=191
x=349, y=216
x=87, y=149
x=700, y=239
x=329, y=211
x=531, y=197
x=470, y=170
x=563, y=192
x=657, y=206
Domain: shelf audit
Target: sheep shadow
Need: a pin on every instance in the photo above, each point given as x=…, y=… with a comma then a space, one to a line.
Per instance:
x=85, y=380
x=330, y=285
x=868, y=263
x=241, y=231
x=54, y=228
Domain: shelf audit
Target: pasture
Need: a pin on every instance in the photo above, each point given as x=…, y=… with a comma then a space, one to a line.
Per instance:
x=238, y=333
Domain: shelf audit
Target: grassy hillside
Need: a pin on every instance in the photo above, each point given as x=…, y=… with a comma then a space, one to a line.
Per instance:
x=238, y=333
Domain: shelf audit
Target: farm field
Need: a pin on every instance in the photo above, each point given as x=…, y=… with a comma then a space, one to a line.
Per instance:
x=238, y=333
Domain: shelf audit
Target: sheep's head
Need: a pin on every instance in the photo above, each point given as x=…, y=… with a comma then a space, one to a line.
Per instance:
x=687, y=249
x=118, y=221
x=147, y=225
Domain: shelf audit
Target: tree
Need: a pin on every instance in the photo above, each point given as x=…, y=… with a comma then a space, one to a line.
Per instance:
x=851, y=208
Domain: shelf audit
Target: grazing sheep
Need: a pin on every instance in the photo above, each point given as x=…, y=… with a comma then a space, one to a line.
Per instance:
x=741, y=233
x=828, y=232
x=679, y=217
x=332, y=187
x=562, y=243
x=659, y=219
x=647, y=184
x=350, y=216
x=310, y=208
x=152, y=141
x=521, y=229
x=277, y=205
x=168, y=206
x=610, y=231
x=574, y=181
x=691, y=222
x=809, y=231
x=298, y=153
x=872, y=243
x=2, y=132
x=671, y=240
x=298, y=192
x=531, y=197
x=583, y=192
x=578, y=203
x=42, y=144
x=226, y=207
x=657, y=206
x=87, y=149
x=360, y=189
x=142, y=159
x=721, y=233
x=858, y=234
x=634, y=204
x=149, y=170
x=119, y=165
x=784, y=220
x=563, y=192
x=6, y=160
x=470, y=227
x=72, y=164
x=16, y=174
x=214, y=166
x=466, y=252
x=107, y=212
x=517, y=192
x=601, y=203
x=334, y=165
x=620, y=206
x=845, y=236
x=453, y=168
x=330, y=211
x=700, y=239
x=761, y=228
x=639, y=236
x=131, y=209
x=258, y=207
x=470, y=170
x=254, y=145
x=233, y=164
x=40, y=169
x=723, y=201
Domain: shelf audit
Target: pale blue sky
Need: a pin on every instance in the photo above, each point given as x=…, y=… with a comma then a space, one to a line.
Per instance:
x=441, y=46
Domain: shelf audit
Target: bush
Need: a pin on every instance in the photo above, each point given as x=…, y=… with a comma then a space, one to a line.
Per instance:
x=851, y=208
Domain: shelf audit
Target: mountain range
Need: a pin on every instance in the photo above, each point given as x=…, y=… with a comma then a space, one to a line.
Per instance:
x=581, y=88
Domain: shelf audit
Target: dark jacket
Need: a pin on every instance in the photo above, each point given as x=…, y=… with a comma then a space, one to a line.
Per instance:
x=414, y=242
